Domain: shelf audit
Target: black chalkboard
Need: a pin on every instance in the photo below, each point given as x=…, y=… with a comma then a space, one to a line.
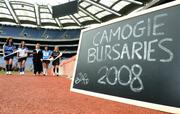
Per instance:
x=135, y=58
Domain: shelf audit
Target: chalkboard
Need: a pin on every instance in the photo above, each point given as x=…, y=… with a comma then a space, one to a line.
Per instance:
x=133, y=60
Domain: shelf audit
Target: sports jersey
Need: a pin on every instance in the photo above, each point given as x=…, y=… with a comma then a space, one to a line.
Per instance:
x=22, y=51
x=55, y=54
x=8, y=49
x=46, y=54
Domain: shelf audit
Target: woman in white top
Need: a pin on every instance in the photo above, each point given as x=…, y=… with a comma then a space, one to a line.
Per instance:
x=22, y=56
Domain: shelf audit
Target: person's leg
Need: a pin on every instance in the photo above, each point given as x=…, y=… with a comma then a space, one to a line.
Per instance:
x=40, y=69
x=7, y=67
x=10, y=65
x=23, y=66
x=47, y=64
x=35, y=67
x=44, y=68
x=20, y=67
x=57, y=70
x=54, y=73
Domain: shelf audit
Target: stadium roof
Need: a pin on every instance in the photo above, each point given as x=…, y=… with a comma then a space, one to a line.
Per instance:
x=38, y=13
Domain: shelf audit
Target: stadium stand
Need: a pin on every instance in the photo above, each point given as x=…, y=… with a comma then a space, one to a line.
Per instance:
x=27, y=32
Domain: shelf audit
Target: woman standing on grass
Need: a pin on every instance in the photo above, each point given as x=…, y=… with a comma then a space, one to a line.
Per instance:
x=9, y=49
x=56, y=54
x=22, y=56
x=37, y=57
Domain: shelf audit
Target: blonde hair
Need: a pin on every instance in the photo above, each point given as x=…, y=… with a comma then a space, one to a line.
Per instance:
x=56, y=47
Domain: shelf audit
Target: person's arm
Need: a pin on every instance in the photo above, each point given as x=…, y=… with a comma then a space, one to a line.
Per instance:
x=41, y=54
x=52, y=56
x=60, y=54
x=3, y=50
x=50, y=53
x=14, y=48
x=18, y=53
x=33, y=53
x=26, y=52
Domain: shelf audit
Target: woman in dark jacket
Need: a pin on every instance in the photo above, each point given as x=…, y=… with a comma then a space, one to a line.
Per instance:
x=37, y=57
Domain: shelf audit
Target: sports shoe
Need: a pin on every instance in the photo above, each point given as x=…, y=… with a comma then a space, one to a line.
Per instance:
x=7, y=73
x=10, y=73
x=21, y=73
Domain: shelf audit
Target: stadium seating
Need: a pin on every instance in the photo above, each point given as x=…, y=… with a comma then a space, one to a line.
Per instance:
x=11, y=30
x=27, y=32
x=31, y=33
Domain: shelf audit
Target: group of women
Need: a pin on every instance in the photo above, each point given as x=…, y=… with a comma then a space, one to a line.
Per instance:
x=41, y=58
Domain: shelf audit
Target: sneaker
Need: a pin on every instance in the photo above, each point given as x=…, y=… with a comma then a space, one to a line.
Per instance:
x=10, y=73
x=7, y=73
x=21, y=73
x=44, y=74
x=57, y=73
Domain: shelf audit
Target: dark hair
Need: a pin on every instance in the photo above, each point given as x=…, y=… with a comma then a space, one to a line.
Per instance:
x=45, y=46
x=37, y=44
x=7, y=41
x=21, y=44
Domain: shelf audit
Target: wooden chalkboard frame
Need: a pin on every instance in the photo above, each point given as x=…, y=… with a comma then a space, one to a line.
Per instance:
x=120, y=99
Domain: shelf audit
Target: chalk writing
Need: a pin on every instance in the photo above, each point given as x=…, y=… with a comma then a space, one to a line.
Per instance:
x=115, y=74
x=82, y=78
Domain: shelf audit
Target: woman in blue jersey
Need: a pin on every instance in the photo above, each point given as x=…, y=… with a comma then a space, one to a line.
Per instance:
x=45, y=60
x=8, y=49
x=22, y=56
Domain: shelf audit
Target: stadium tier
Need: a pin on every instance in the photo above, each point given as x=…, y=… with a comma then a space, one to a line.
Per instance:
x=65, y=39
x=26, y=32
